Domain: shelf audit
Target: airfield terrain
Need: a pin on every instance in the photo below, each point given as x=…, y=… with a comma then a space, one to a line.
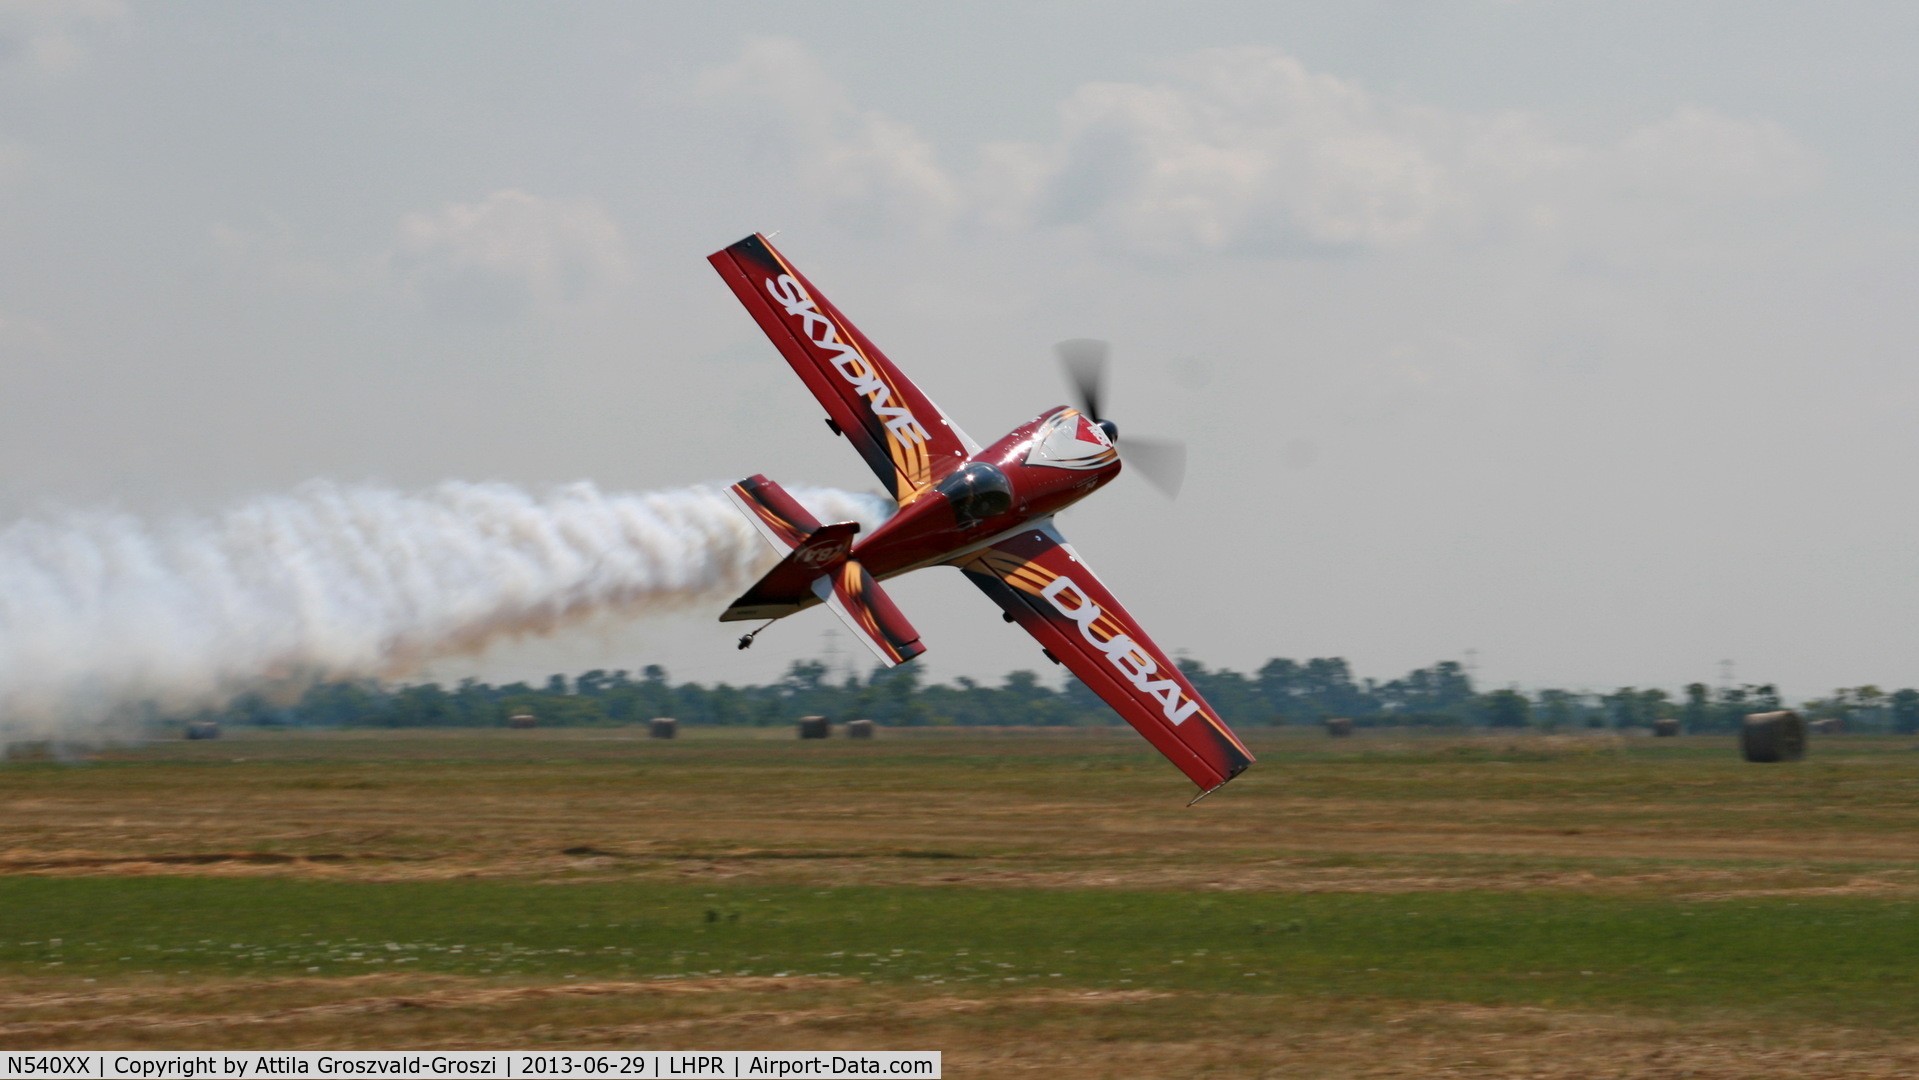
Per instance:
x=1028, y=902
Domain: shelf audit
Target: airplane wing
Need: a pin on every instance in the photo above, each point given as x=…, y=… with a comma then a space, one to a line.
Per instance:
x=905, y=438
x=1039, y=580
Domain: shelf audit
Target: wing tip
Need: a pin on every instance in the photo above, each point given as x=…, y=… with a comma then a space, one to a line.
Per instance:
x=1240, y=768
x=1194, y=801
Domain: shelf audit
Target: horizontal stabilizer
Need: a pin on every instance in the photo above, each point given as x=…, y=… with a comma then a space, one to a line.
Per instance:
x=789, y=586
x=817, y=570
x=859, y=601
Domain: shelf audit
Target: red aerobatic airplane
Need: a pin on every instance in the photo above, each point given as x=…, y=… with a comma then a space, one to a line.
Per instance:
x=988, y=511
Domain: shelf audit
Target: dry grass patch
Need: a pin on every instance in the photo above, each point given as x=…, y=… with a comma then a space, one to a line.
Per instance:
x=1065, y=809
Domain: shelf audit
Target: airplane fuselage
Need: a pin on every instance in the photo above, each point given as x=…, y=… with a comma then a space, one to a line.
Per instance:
x=1036, y=470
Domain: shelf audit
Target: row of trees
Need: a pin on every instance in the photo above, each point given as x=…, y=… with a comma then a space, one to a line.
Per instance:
x=1280, y=692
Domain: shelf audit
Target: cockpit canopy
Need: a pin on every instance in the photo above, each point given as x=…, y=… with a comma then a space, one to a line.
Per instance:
x=977, y=491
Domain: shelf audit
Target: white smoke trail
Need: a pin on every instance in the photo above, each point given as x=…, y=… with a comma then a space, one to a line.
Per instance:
x=100, y=612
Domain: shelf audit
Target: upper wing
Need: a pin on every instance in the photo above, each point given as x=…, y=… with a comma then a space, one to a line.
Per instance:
x=903, y=436
x=1037, y=577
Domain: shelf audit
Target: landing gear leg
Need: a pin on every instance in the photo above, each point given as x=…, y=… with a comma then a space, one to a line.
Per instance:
x=746, y=640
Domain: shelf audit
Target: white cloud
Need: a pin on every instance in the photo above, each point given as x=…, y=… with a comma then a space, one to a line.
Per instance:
x=1700, y=154
x=52, y=36
x=508, y=253
x=866, y=169
x=1245, y=150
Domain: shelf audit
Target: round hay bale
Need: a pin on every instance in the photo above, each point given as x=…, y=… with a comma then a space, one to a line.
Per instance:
x=859, y=729
x=1339, y=727
x=815, y=727
x=1665, y=727
x=1773, y=736
x=663, y=727
x=522, y=720
x=203, y=729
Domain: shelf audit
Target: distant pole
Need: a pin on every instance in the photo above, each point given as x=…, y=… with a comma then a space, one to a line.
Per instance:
x=830, y=655
x=1472, y=665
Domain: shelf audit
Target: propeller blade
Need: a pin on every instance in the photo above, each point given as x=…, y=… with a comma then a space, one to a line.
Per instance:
x=1161, y=461
x=1085, y=362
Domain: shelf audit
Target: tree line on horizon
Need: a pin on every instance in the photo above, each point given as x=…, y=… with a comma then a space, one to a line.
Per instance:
x=1281, y=692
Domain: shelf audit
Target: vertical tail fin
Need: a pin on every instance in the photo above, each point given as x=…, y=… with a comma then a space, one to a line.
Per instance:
x=794, y=584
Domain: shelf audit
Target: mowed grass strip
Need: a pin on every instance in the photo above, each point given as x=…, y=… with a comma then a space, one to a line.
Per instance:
x=1850, y=959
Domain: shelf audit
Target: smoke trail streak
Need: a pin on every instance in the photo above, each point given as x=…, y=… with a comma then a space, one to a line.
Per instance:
x=102, y=612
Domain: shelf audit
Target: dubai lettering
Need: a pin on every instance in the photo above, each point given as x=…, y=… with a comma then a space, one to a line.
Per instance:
x=1121, y=651
x=852, y=367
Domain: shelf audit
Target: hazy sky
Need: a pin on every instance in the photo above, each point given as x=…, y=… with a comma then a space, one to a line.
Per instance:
x=1578, y=334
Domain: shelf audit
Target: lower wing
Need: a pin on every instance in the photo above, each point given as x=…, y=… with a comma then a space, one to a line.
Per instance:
x=1037, y=578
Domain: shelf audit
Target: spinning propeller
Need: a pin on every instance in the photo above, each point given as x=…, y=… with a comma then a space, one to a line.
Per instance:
x=1161, y=461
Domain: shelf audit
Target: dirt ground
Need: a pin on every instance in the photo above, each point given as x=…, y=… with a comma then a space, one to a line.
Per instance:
x=1063, y=1033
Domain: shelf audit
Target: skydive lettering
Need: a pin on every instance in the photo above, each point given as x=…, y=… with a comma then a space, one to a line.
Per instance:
x=1121, y=651
x=849, y=363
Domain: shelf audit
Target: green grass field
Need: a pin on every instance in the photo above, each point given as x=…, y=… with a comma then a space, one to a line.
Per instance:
x=1385, y=905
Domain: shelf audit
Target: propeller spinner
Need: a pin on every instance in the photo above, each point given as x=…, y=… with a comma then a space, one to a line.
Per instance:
x=1161, y=461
